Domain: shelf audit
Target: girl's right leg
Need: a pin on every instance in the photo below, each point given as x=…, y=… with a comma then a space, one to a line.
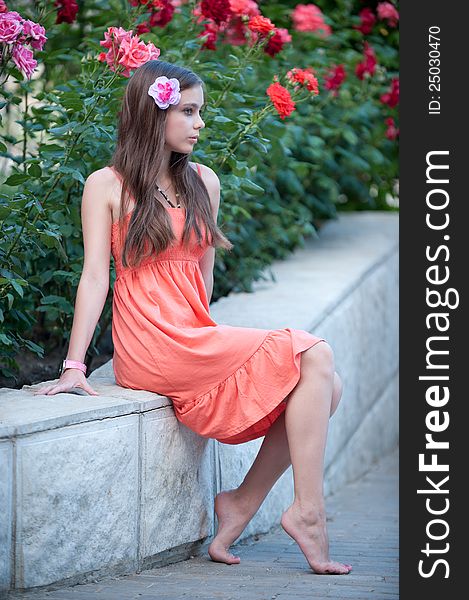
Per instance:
x=236, y=507
x=306, y=422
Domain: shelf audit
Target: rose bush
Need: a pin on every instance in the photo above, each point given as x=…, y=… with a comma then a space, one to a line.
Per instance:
x=301, y=120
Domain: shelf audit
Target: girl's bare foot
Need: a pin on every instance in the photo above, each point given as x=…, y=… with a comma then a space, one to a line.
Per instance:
x=233, y=515
x=311, y=536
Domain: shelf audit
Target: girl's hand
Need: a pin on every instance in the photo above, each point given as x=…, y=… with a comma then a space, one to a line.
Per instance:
x=70, y=378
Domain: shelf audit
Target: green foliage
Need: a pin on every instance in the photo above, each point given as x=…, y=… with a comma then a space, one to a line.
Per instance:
x=280, y=178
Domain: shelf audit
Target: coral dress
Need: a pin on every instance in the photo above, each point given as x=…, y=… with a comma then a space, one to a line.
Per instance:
x=228, y=383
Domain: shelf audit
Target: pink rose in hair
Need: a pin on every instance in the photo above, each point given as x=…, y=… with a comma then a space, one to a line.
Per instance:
x=23, y=59
x=11, y=27
x=165, y=91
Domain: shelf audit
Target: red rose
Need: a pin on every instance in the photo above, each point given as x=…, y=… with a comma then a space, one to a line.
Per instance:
x=277, y=41
x=304, y=77
x=281, y=99
x=212, y=36
x=391, y=132
x=217, y=10
x=67, y=11
x=368, y=19
x=391, y=98
x=335, y=79
x=163, y=15
x=261, y=25
x=368, y=65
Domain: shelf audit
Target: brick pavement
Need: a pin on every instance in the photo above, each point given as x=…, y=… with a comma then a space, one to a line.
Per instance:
x=363, y=528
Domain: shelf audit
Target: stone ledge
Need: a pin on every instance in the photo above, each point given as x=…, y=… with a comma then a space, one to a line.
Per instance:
x=41, y=413
x=110, y=483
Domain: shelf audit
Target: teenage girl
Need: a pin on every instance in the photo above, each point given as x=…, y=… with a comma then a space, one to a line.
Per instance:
x=156, y=212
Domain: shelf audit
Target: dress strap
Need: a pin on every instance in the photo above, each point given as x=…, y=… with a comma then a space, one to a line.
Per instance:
x=198, y=169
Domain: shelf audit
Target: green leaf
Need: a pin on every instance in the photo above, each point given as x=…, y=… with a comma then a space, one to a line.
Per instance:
x=32, y=346
x=4, y=339
x=16, y=179
x=251, y=187
x=35, y=170
x=75, y=173
x=17, y=287
x=350, y=137
x=67, y=128
x=257, y=143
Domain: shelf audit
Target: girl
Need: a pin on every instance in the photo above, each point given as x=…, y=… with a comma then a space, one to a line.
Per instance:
x=157, y=213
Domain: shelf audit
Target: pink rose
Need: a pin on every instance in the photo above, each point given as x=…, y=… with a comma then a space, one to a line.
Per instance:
x=387, y=11
x=154, y=51
x=133, y=53
x=11, y=27
x=165, y=91
x=3, y=6
x=244, y=7
x=308, y=17
x=115, y=35
x=126, y=49
x=392, y=132
x=35, y=34
x=23, y=59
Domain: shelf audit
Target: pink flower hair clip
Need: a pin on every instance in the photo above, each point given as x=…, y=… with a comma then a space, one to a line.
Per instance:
x=165, y=91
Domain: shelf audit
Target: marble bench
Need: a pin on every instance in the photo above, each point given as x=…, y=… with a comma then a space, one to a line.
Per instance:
x=92, y=486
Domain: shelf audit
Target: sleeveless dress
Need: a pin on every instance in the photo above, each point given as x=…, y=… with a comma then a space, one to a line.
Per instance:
x=227, y=383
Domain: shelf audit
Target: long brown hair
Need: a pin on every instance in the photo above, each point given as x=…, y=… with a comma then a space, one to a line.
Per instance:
x=137, y=159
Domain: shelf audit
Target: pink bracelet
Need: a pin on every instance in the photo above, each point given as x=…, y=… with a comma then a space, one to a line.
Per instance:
x=73, y=364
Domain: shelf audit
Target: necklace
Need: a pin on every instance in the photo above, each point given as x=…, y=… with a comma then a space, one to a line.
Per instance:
x=166, y=197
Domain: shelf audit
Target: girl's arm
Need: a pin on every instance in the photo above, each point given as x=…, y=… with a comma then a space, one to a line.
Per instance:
x=207, y=261
x=96, y=217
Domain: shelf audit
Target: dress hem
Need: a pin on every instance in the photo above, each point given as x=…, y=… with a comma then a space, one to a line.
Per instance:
x=267, y=413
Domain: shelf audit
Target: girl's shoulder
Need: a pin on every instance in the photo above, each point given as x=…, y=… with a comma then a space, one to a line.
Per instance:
x=105, y=176
x=208, y=175
x=110, y=183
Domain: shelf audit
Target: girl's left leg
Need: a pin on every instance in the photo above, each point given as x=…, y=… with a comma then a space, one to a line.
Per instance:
x=235, y=508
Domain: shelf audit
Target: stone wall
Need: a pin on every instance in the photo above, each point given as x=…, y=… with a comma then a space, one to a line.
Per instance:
x=110, y=484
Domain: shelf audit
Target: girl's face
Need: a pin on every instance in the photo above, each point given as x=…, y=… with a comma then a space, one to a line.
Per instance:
x=184, y=122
